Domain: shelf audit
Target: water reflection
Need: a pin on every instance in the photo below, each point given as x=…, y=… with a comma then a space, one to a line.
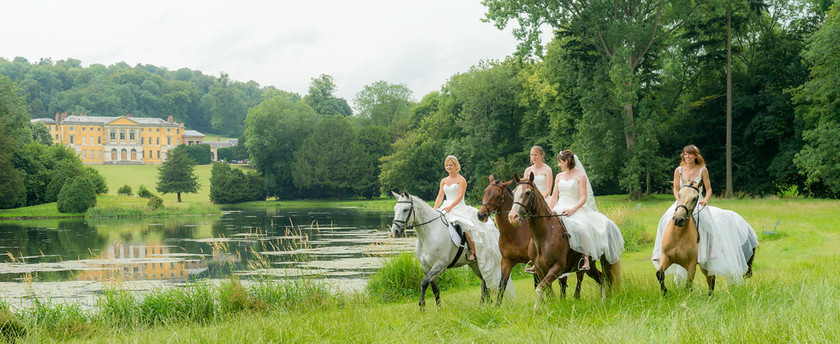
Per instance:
x=345, y=244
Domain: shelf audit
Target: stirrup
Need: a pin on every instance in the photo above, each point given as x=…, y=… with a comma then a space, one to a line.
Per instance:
x=584, y=266
x=530, y=268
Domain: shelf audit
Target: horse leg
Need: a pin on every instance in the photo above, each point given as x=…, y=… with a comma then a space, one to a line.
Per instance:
x=598, y=277
x=507, y=265
x=485, y=293
x=436, y=291
x=550, y=276
x=563, y=285
x=664, y=263
x=431, y=276
x=710, y=280
x=748, y=274
x=691, y=270
x=579, y=276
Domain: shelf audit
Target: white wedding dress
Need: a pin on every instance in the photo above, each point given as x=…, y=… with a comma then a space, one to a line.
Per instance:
x=726, y=240
x=484, y=236
x=540, y=181
x=590, y=231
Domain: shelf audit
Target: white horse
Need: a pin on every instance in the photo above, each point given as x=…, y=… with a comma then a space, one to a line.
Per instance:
x=435, y=248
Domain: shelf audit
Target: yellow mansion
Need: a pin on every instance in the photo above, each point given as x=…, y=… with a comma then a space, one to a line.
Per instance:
x=119, y=140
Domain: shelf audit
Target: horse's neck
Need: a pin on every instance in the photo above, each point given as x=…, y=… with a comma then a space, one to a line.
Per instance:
x=424, y=213
x=687, y=231
x=539, y=225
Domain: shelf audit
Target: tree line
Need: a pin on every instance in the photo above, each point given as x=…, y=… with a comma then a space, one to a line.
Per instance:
x=623, y=84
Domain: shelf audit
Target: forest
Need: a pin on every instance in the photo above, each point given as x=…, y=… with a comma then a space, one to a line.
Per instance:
x=624, y=84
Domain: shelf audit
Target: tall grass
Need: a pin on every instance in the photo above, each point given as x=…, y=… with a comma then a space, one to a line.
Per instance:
x=400, y=277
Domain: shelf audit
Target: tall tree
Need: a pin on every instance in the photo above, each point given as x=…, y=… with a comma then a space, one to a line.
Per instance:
x=322, y=99
x=177, y=175
x=385, y=104
x=331, y=160
x=623, y=32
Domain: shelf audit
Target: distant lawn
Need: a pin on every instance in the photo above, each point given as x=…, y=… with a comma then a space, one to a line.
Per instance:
x=136, y=175
x=41, y=210
x=216, y=137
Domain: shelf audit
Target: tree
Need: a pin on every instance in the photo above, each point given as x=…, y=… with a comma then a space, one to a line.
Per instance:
x=331, y=160
x=41, y=134
x=322, y=100
x=274, y=130
x=385, y=104
x=819, y=108
x=176, y=174
x=12, y=190
x=76, y=196
x=228, y=110
x=625, y=33
x=229, y=185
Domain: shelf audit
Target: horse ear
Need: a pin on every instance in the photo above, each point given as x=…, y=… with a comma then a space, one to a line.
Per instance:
x=405, y=193
x=396, y=195
x=516, y=177
x=531, y=176
x=505, y=184
x=699, y=183
x=491, y=178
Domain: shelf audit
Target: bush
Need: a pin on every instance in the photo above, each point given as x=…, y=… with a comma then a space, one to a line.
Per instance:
x=400, y=277
x=76, y=196
x=229, y=185
x=143, y=192
x=124, y=190
x=155, y=203
x=97, y=180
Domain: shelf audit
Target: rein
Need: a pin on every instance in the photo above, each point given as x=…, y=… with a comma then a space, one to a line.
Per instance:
x=527, y=207
x=403, y=224
x=696, y=217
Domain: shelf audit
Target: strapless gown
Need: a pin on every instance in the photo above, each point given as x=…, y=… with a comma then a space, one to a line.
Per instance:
x=590, y=231
x=484, y=235
x=726, y=241
x=541, y=182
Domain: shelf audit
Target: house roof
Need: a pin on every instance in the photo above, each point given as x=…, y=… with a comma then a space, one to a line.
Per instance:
x=90, y=120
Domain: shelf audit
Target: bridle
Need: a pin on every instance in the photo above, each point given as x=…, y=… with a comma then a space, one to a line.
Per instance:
x=689, y=213
x=530, y=201
x=498, y=205
x=403, y=224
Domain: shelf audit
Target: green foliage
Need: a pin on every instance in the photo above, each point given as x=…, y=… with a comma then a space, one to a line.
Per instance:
x=96, y=179
x=176, y=174
x=125, y=190
x=199, y=153
x=230, y=185
x=330, y=160
x=143, y=192
x=193, y=303
x=385, y=105
x=12, y=187
x=155, y=203
x=321, y=99
x=275, y=129
x=76, y=196
x=788, y=191
x=228, y=154
x=41, y=134
x=11, y=327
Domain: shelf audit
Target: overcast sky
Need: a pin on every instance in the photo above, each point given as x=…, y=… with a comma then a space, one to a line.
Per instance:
x=276, y=43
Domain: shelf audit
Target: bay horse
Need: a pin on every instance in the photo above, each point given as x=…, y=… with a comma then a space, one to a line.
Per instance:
x=514, y=241
x=435, y=250
x=554, y=257
x=681, y=237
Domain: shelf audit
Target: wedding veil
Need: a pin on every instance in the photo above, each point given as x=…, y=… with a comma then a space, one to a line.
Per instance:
x=590, y=196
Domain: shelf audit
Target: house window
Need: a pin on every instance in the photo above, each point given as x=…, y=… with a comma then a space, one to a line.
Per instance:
x=169, y=141
x=122, y=134
x=84, y=139
x=158, y=129
x=84, y=153
x=71, y=128
x=113, y=135
x=98, y=129
x=131, y=135
x=168, y=130
x=158, y=141
x=72, y=139
x=177, y=131
x=83, y=128
x=142, y=154
x=99, y=140
x=56, y=137
x=142, y=140
x=158, y=154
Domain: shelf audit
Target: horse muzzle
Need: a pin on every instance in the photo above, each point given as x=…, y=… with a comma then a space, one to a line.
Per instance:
x=482, y=216
x=514, y=218
x=397, y=231
x=679, y=221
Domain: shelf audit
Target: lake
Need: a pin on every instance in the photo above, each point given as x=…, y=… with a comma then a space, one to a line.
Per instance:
x=75, y=259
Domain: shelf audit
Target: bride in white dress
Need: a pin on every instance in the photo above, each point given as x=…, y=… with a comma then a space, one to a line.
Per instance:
x=727, y=241
x=482, y=237
x=542, y=172
x=592, y=233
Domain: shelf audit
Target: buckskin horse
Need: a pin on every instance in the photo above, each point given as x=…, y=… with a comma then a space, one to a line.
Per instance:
x=680, y=239
x=554, y=258
x=514, y=241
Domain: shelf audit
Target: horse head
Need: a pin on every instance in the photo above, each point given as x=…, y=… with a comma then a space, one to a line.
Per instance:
x=494, y=198
x=403, y=211
x=523, y=198
x=688, y=197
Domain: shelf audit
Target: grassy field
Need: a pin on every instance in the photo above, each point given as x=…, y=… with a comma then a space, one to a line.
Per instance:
x=794, y=296
x=136, y=175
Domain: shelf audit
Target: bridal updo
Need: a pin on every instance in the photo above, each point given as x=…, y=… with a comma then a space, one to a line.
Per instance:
x=566, y=156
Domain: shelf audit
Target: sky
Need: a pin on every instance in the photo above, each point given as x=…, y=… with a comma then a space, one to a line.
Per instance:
x=284, y=44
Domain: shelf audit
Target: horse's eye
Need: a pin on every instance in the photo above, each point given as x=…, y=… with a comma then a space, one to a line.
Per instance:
x=405, y=210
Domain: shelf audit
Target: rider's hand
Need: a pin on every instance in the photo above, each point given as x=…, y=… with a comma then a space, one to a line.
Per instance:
x=703, y=202
x=569, y=212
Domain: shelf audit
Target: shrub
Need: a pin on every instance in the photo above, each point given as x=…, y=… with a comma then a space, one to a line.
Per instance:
x=124, y=190
x=143, y=192
x=155, y=203
x=229, y=185
x=400, y=278
x=97, y=180
x=76, y=196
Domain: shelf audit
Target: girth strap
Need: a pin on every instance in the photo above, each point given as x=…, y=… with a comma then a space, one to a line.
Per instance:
x=460, y=247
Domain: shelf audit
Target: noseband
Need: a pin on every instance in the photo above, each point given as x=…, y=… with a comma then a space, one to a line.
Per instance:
x=403, y=224
x=695, y=204
x=496, y=206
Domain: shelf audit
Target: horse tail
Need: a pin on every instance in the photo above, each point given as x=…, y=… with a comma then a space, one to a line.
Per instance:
x=613, y=272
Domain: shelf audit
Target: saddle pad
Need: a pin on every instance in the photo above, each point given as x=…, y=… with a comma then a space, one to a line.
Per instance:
x=456, y=237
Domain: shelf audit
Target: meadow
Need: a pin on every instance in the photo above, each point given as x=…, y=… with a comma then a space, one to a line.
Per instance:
x=794, y=296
